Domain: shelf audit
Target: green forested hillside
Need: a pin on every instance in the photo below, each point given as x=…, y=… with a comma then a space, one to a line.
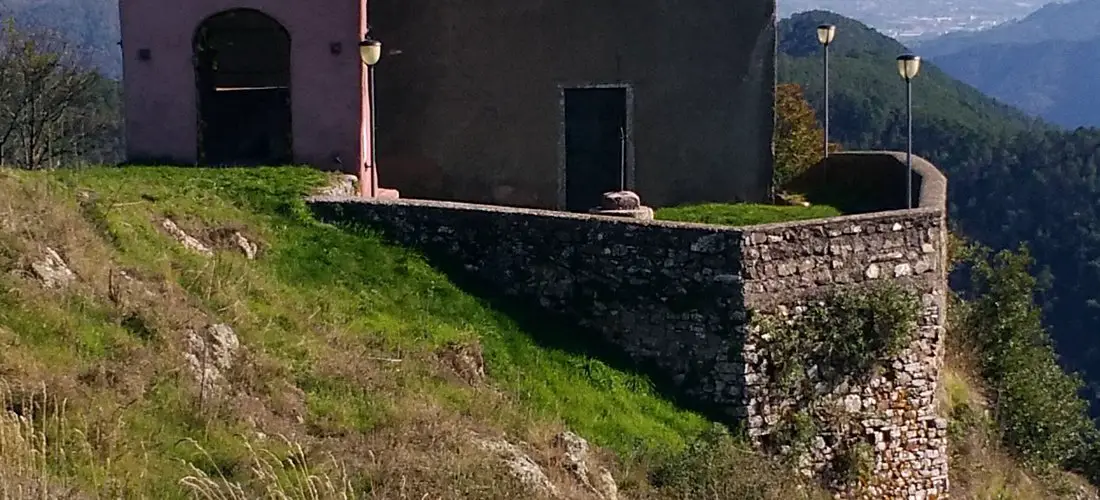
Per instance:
x=90, y=26
x=1012, y=179
x=1053, y=79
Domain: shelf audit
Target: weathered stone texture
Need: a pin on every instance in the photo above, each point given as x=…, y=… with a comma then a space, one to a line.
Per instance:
x=678, y=296
x=787, y=266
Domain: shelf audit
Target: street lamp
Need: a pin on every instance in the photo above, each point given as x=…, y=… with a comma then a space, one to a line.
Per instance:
x=908, y=67
x=825, y=35
x=370, y=51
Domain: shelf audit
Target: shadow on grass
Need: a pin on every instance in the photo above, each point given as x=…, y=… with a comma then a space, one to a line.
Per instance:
x=545, y=328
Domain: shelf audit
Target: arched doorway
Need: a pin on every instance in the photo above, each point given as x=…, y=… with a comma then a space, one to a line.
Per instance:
x=242, y=76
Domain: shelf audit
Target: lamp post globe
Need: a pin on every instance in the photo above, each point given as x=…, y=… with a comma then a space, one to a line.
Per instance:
x=370, y=51
x=908, y=66
x=826, y=33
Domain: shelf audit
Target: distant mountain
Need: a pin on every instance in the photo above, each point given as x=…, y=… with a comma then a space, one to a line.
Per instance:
x=1043, y=64
x=1076, y=20
x=1052, y=79
x=91, y=26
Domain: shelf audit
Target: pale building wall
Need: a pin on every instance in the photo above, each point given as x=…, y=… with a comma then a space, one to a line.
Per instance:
x=328, y=98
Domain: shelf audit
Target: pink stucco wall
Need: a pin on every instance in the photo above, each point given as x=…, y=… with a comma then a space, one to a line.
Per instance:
x=328, y=98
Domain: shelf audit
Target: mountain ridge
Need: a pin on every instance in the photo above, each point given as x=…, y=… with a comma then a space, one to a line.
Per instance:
x=1068, y=21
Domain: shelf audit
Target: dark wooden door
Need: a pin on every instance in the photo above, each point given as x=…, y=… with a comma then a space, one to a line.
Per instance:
x=595, y=127
x=242, y=66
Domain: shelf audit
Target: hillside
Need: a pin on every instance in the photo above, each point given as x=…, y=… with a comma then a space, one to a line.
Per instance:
x=153, y=368
x=1074, y=20
x=1051, y=79
x=868, y=95
x=173, y=362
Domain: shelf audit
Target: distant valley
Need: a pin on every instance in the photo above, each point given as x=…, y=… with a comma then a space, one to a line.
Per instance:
x=1044, y=64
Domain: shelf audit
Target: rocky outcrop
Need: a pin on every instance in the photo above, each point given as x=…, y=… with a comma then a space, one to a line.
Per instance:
x=189, y=242
x=248, y=248
x=575, y=459
x=52, y=270
x=210, y=354
x=519, y=464
x=599, y=482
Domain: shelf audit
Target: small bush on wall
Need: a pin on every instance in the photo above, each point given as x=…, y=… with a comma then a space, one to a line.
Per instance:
x=844, y=334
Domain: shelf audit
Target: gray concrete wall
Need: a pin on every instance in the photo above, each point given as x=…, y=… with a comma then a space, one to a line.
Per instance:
x=469, y=110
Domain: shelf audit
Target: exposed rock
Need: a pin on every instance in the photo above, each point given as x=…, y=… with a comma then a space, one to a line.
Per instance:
x=53, y=271
x=210, y=354
x=188, y=241
x=576, y=462
x=519, y=464
x=576, y=456
x=342, y=185
x=606, y=486
x=466, y=360
x=249, y=248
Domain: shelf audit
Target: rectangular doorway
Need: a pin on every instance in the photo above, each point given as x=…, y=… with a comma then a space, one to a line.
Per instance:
x=597, y=147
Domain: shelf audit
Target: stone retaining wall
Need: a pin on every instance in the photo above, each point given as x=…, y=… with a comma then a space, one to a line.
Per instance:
x=668, y=295
x=788, y=267
x=682, y=298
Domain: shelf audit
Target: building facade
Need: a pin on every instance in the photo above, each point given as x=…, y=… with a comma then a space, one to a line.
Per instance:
x=516, y=102
x=245, y=82
x=540, y=103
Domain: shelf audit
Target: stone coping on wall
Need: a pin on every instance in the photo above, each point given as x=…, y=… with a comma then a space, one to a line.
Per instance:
x=871, y=181
x=930, y=183
x=534, y=212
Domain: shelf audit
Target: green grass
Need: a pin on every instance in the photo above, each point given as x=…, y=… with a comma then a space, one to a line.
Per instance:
x=312, y=311
x=743, y=214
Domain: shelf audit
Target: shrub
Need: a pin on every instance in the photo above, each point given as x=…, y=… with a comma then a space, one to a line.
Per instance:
x=1036, y=404
x=845, y=334
x=719, y=465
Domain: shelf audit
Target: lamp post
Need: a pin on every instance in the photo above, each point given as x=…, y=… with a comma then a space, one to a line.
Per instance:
x=370, y=51
x=908, y=67
x=825, y=35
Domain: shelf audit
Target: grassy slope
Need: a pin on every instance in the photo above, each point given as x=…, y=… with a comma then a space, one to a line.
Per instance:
x=317, y=313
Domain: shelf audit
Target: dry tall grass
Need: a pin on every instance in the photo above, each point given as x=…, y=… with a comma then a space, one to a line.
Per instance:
x=29, y=425
x=279, y=479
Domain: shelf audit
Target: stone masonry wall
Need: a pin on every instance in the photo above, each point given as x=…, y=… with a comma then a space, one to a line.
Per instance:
x=668, y=295
x=787, y=268
x=683, y=298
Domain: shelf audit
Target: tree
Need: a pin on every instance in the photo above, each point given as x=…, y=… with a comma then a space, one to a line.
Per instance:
x=52, y=111
x=1036, y=404
x=798, y=137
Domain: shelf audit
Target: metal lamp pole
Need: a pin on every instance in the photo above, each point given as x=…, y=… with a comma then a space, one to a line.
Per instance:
x=908, y=67
x=825, y=35
x=370, y=51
